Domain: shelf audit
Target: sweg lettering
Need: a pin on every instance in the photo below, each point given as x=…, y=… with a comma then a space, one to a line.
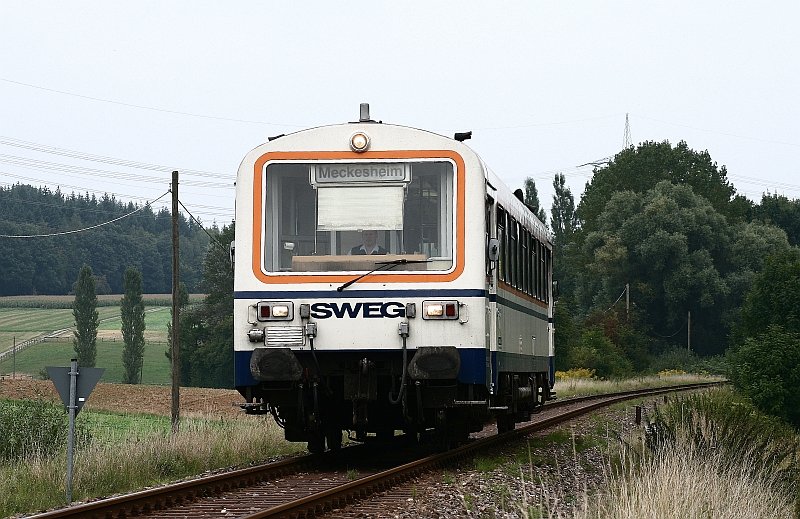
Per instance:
x=359, y=172
x=352, y=310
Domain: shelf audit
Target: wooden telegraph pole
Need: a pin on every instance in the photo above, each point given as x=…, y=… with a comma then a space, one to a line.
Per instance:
x=175, y=349
x=689, y=332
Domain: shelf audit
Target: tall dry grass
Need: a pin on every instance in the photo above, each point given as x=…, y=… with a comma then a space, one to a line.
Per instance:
x=569, y=386
x=103, y=469
x=685, y=482
x=711, y=457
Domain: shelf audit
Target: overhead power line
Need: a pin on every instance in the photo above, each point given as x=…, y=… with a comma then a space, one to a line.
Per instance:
x=81, y=189
x=44, y=148
x=212, y=238
x=27, y=163
x=74, y=231
x=142, y=107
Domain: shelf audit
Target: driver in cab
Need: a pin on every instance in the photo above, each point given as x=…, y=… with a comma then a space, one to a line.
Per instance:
x=369, y=244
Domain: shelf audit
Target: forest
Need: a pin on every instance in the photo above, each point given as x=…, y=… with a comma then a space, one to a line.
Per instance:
x=50, y=265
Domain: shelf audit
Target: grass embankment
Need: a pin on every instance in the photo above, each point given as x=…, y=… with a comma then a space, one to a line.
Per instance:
x=708, y=454
x=705, y=455
x=121, y=453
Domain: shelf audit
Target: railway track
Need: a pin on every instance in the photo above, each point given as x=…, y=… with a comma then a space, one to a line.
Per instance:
x=311, y=485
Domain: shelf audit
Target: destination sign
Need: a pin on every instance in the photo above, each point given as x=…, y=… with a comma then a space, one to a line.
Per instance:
x=361, y=172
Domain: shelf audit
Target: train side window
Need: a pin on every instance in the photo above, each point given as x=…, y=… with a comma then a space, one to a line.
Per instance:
x=535, y=269
x=548, y=284
x=529, y=284
x=513, y=251
x=501, y=235
x=525, y=263
x=540, y=269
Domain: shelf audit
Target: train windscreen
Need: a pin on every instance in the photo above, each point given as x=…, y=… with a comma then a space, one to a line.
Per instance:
x=329, y=217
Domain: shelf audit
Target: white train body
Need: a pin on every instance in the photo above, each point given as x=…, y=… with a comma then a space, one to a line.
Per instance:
x=451, y=322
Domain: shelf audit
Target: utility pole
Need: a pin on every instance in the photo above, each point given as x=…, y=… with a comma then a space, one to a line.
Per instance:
x=627, y=302
x=175, y=350
x=689, y=333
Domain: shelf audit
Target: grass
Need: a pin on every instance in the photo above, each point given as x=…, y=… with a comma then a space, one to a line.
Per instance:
x=34, y=321
x=151, y=456
x=155, y=368
x=26, y=323
x=581, y=386
x=710, y=455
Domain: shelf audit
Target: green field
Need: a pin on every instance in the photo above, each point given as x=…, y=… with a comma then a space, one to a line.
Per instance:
x=31, y=361
x=26, y=323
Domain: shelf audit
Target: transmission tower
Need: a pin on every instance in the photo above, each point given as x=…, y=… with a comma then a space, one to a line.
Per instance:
x=627, y=139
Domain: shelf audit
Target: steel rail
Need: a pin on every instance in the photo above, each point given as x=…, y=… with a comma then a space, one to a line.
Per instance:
x=350, y=492
x=172, y=495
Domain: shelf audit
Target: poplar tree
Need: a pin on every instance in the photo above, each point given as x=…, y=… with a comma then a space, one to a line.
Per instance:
x=133, y=326
x=532, y=200
x=562, y=212
x=84, y=309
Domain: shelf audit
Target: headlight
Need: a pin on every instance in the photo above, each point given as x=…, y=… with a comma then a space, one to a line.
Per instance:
x=275, y=311
x=440, y=309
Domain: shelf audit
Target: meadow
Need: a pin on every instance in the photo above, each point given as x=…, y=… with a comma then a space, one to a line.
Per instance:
x=18, y=323
x=34, y=479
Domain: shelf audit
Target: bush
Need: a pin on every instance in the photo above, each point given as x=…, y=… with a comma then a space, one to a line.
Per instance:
x=677, y=358
x=575, y=373
x=34, y=429
x=766, y=369
x=597, y=352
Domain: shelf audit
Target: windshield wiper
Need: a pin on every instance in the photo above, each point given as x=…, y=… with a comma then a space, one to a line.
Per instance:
x=384, y=265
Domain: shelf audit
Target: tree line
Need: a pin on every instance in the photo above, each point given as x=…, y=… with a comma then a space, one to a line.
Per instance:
x=50, y=265
x=663, y=226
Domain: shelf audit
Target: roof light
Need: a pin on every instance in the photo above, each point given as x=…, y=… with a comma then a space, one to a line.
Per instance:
x=359, y=142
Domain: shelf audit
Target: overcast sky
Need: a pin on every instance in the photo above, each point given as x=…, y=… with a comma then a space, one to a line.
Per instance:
x=545, y=86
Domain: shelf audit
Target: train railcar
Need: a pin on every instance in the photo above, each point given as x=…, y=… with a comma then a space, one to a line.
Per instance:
x=385, y=280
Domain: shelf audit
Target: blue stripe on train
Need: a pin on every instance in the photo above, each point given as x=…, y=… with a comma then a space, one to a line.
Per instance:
x=359, y=294
x=473, y=366
x=472, y=371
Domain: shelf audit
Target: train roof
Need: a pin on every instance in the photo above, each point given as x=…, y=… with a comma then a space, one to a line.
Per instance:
x=497, y=188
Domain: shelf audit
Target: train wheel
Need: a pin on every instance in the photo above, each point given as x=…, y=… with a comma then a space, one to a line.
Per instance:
x=505, y=423
x=384, y=434
x=334, y=439
x=316, y=443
